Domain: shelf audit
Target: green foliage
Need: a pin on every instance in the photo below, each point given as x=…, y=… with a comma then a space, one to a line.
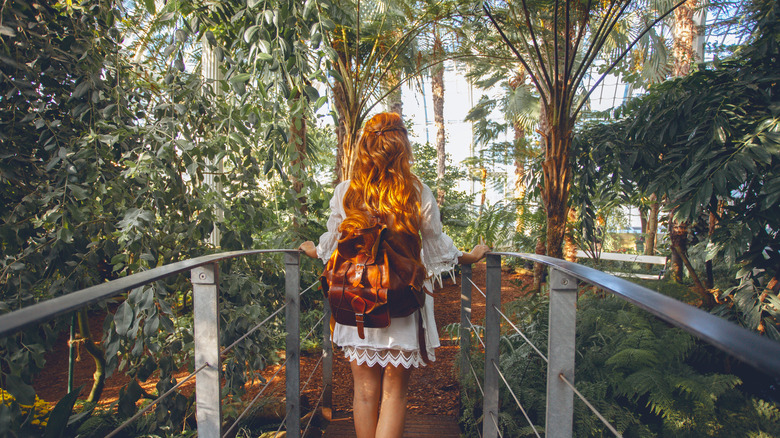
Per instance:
x=709, y=143
x=646, y=378
x=108, y=139
x=457, y=209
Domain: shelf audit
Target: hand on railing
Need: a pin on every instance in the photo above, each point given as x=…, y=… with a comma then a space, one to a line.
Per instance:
x=477, y=253
x=309, y=249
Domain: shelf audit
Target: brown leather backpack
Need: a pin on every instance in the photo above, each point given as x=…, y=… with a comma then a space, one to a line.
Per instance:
x=374, y=275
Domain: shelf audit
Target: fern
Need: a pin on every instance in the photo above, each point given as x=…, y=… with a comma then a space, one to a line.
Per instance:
x=646, y=378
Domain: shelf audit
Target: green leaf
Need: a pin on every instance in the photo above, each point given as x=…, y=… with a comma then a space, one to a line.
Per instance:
x=22, y=392
x=307, y=7
x=152, y=325
x=328, y=24
x=312, y=93
x=321, y=101
x=250, y=32
x=58, y=417
x=150, y=6
x=336, y=75
x=123, y=318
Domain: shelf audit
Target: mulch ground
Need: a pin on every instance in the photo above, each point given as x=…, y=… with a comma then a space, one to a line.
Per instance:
x=433, y=389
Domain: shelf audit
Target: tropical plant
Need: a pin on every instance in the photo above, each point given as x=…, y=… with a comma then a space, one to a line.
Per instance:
x=108, y=135
x=557, y=44
x=644, y=377
x=708, y=143
x=370, y=43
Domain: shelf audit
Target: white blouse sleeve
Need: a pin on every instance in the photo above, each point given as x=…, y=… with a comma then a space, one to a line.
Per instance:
x=439, y=254
x=330, y=238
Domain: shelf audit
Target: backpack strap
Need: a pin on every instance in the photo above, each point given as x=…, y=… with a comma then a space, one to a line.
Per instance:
x=359, y=305
x=421, y=338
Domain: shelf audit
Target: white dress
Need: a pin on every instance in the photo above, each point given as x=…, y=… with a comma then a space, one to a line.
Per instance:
x=398, y=343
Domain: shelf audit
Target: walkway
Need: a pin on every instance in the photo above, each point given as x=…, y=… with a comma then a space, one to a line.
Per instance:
x=417, y=426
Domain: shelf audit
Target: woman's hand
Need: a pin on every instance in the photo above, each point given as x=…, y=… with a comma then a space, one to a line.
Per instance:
x=477, y=253
x=309, y=249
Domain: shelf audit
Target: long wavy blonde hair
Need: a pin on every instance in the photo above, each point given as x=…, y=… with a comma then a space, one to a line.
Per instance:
x=382, y=184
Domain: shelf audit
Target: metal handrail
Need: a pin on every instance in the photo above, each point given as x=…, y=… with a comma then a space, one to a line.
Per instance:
x=757, y=351
x=751, y=348
x=49, y=309
x=204, y=278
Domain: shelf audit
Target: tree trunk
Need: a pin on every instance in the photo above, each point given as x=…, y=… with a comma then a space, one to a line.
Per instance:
x=708, y=299
x=349, y=118
x=99, y=377
x=710, y=281
x=570, y=246
x=678, y=236
x=557, y=177
x=437, y=88
x=684, y=32
x=520, y=194
x=651, y=235
x=395, y=103
x=298, y=164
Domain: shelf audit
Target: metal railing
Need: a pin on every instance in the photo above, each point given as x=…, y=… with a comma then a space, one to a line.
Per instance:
x=757, y=351
x=204, y=275
x=744, y=345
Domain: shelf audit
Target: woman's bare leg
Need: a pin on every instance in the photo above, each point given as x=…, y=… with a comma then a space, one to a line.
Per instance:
x=392, y=414
x=365, y=403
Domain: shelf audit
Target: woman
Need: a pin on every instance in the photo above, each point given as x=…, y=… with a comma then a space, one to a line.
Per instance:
x=384, y=187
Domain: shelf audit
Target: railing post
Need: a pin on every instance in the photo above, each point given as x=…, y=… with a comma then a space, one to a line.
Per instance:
x=208, y=406
x=292, y=282
x=560, y=352
x=492, y=340
x=327, y=365
x=465, y=320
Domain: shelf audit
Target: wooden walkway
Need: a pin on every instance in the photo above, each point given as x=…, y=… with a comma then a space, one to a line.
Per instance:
x=417, y=426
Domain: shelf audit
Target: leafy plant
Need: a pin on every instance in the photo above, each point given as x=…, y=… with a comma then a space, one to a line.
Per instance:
x=644, y=377
x=709, y=143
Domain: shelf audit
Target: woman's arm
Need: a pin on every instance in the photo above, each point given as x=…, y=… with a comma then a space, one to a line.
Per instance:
x=477, y=253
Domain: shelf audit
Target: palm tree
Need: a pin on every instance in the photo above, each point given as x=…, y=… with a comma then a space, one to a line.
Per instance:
x=558, y=43
x=370, y=42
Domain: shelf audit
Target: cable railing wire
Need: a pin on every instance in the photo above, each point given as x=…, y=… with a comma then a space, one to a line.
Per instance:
x=521, y=334
x=313, y=327
x=474, y=330
x=476, y=379
x=590, y=406
x=309, y=288
x=516, y=400
x=252, y=330
x=313, y=412
x=477, y=287
x=495, y=421
x=316, y=366
x=153, y=403
x=284, y=421
x=254, y=400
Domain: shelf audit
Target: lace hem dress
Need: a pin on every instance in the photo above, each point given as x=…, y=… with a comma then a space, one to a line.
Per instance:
x=398, y=343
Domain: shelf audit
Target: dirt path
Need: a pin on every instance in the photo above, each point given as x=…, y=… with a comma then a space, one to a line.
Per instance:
x=433, y=389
